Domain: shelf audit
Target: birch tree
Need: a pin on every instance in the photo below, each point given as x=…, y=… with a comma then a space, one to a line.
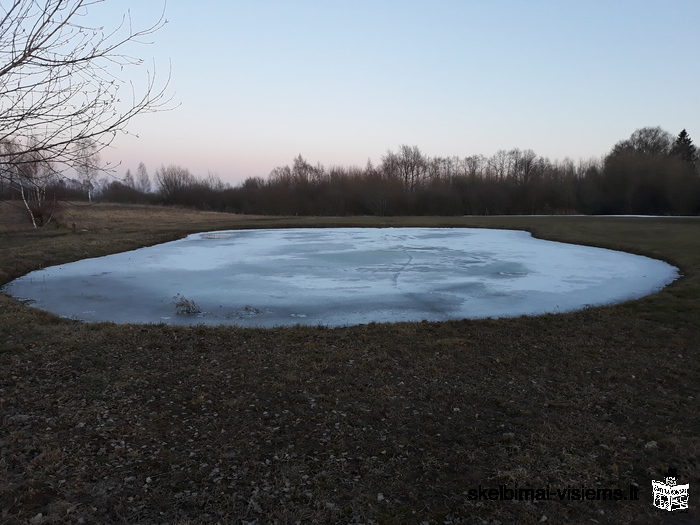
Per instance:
x=87, y=165
x=32, y=176
x=60, y=90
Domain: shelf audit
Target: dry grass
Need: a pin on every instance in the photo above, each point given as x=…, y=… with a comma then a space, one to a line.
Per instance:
x=380, y=423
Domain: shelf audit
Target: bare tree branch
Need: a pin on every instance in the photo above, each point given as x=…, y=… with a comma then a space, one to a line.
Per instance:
x=58, y=91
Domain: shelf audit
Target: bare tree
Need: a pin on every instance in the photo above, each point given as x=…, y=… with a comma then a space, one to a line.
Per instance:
x=412, y=166
x=31, y=175
x=646, y=141
x=142, y=182
x=522, y=165
x=173, y=182
x=58, y=89
x=390, y=166
x=474, y=165
x=87, y=165
x=409, y=165
x=129, y=180
x=500, y=165
x=302, y=171
x=213, y=182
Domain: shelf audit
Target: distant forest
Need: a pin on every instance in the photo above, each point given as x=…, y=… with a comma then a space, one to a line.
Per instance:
x=650, y=173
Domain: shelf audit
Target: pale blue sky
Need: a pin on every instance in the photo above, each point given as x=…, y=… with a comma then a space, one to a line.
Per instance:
x=339, y=82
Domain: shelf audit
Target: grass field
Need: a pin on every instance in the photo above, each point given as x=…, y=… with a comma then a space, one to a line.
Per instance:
x=379, y=423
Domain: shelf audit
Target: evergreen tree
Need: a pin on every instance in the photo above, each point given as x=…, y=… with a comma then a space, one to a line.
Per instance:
x=683, y=148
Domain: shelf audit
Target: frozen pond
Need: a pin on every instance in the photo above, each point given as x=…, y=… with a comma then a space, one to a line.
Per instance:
x=342, y=276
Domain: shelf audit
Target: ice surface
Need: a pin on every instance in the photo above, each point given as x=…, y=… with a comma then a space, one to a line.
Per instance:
x=342, y=276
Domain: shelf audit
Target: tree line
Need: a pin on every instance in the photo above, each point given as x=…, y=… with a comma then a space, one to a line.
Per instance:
x=650, y=173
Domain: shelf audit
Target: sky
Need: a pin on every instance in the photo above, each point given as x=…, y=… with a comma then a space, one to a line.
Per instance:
x=256, y=83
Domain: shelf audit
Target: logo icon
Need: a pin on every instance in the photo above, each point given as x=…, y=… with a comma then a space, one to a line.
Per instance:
x=668, y=495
